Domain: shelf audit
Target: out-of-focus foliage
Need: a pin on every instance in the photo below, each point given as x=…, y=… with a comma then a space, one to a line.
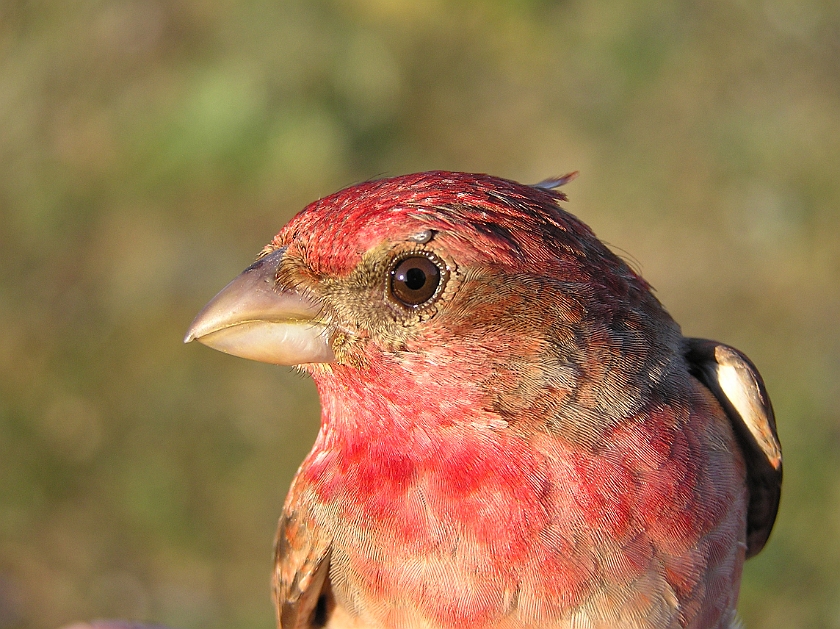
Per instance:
x=148, y=150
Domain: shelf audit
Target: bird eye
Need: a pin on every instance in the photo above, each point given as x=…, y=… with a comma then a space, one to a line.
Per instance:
x=414, y=280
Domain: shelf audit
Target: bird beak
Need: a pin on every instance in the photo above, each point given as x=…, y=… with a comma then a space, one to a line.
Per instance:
x=253, y=317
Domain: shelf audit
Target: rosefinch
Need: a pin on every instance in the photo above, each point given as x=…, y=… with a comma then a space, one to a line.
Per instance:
x=514, y=431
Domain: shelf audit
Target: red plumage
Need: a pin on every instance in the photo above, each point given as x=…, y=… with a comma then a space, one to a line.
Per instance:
x=531, y=444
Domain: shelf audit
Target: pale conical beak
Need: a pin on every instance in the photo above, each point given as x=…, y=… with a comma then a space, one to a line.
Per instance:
x=254, y=318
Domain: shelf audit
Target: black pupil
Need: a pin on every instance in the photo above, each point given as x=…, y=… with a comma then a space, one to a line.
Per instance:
x=415, y=278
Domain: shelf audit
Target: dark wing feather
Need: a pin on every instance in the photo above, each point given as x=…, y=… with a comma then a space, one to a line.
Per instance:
x=301, y=573
x=737, y=385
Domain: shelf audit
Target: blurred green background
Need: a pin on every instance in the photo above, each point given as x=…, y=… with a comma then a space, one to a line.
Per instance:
x=149, y=149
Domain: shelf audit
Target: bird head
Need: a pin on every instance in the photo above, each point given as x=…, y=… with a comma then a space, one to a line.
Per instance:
x=449, y=286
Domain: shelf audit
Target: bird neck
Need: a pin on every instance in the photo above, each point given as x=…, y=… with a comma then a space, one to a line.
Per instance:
x=393, y=423
x=390, y=401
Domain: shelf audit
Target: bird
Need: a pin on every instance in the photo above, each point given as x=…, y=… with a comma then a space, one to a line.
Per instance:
x=514, y=431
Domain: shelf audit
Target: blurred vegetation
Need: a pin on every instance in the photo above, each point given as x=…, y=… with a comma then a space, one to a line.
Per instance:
x=148, y=150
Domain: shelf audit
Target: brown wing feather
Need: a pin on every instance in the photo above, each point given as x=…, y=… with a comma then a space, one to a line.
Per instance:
x=737, y=385
x=301, y=573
